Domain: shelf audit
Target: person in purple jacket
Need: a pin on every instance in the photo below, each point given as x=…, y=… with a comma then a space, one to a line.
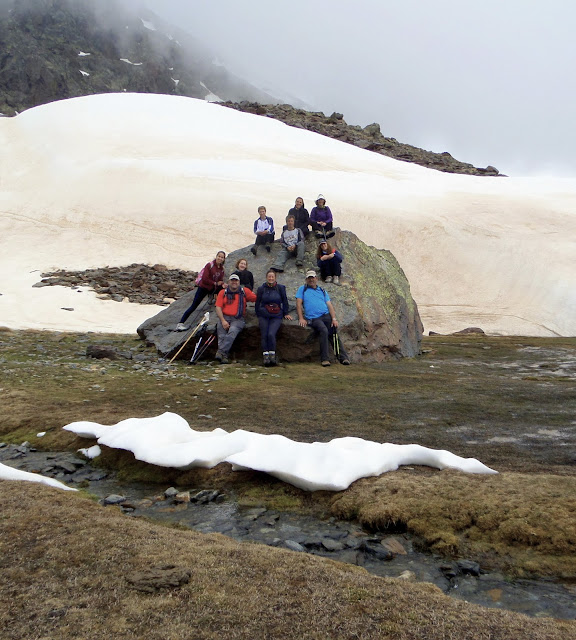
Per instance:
x=321, y=219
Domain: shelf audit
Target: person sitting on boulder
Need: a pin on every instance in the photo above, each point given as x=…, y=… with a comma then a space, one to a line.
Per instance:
x=329, y=262
x=264, y=230
x=301, y=216
x=321, y=219
x=209, y=281
x=315, y=310
x=246, y=277
x=231, y=309
x=271, y=306
x=292, y=246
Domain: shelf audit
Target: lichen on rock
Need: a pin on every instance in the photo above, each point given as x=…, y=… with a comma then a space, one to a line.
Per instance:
x=378, y=318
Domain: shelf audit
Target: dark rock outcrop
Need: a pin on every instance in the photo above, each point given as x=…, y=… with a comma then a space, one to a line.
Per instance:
x=57, y=49
x=140, y=283
x=369, y=137
x=378, y=318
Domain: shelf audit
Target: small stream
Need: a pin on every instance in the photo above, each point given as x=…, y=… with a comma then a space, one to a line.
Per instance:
x=395, y=556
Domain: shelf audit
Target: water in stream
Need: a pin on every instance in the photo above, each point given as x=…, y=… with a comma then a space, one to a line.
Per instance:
x=394, y=556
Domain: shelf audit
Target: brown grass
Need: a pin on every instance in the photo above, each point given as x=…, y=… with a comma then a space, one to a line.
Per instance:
x=502, y=400
x=65, y=561
x=520, y=523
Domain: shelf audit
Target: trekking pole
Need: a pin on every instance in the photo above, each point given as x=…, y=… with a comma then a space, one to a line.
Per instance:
x=196, y=348
x=194, y=332
x=336, y=343
x=205, y=346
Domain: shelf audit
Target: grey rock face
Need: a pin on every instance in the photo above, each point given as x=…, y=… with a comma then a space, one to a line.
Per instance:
x=378, y=319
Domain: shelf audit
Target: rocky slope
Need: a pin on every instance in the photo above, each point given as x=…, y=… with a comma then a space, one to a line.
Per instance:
x=369, y=137
x=56, y=49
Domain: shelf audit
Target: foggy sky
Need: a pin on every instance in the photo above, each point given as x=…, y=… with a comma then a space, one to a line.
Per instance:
x=491, y=82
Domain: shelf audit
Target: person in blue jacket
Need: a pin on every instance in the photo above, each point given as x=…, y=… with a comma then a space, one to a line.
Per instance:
x=315, y=310
x=271, y=307
x=264, y=230
x=329, y=262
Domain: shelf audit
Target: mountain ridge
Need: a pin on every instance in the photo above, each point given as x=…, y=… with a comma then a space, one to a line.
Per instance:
x=57, y=49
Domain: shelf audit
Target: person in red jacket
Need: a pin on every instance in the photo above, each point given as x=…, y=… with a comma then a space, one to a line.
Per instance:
x=231, y=309
x=209, y=281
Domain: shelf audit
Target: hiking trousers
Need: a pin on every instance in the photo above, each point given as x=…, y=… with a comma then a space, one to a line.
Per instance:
x=285, y=254
x=268, y=330
x=323, y=327
x=226, y=338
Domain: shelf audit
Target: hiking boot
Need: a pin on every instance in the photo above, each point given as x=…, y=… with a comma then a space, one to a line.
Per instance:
x=266, y=359
x=276, y=269
x=328, y=279
x=253, y=250
x=325, y=363
x=344, y=361
x=267, y=248
x=273, y=359
x=224, y=359
x=331, y=234
x=319, y=234
x=211, y=299
x=299, y=263
x=336, y=279
x=219, y=355
x=181, y=327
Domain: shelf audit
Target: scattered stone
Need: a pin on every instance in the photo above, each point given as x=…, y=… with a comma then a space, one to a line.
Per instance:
x=183, y=496
x=102, y=351
x=294, y=546
x=163, y=577
x=113, y=499
x=394, y=546
x=407, y=575
x=332, y=545
x=378, y=551
x=469, y=330
x=468, y=567
x=171, y=492
x=205, y=496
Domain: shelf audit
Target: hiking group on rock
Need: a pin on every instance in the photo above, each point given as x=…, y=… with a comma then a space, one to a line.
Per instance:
x=313, y=305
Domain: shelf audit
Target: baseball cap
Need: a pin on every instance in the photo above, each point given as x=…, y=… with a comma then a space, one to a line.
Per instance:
x=311, y=273
x=234, y=276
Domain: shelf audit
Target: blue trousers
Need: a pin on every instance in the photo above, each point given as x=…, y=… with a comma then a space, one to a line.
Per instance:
x=268, y=330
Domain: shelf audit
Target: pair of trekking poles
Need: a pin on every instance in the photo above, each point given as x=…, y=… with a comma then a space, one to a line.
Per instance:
x=200, y=348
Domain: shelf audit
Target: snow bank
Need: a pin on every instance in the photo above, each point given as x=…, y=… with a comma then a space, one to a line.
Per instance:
x=119, y=178
x=168, y=441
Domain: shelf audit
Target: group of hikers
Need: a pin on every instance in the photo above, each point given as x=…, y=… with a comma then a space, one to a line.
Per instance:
x=313, y=305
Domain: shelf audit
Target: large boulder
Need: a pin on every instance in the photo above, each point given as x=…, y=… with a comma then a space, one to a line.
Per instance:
x=378, y=318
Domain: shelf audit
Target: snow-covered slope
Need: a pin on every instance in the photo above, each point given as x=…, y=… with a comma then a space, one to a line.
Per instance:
x=118, y=178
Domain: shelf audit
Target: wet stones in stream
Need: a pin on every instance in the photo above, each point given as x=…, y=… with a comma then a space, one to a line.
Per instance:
x=211, y=511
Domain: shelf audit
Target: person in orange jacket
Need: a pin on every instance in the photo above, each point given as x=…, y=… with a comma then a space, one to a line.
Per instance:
x=231, y=309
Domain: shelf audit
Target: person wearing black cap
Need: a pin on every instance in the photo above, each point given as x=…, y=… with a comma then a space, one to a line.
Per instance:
x=231, y=309
x=315, y=310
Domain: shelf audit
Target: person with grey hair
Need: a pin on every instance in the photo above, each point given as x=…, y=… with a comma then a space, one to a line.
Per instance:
x=315, y=310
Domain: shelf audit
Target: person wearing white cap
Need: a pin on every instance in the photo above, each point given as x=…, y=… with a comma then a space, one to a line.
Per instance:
x=321, y=219
x=231, y=309
x=315, y=310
